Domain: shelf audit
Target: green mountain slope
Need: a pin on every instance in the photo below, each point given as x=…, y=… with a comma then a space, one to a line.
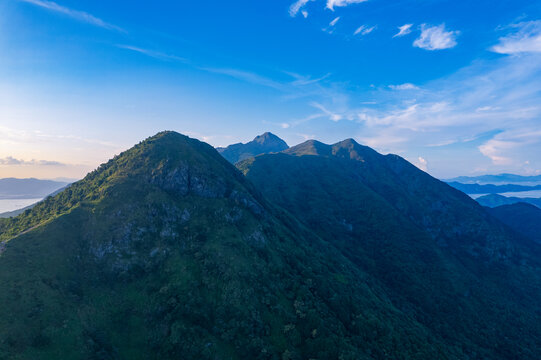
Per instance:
x=168, y=252
x=262, y=144
x=438, y=255
x=523, y=218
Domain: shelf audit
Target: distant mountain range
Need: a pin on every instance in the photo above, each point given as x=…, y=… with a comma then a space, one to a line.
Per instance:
x=168, y=251
x=495, y=179
x=492, y=189
x=11, y=188
x=262, y=144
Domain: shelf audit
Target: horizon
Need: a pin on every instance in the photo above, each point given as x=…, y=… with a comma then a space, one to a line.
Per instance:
x=452, y=87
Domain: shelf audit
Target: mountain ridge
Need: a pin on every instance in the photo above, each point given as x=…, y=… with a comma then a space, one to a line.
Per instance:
x=168, y=251
x=261, y=144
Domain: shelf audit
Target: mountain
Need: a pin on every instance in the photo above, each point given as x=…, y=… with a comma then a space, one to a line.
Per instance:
x=167, y=251
x=11, y=188
x=262, y=144
x=494, y=200
x=492, y=189
x=496, y=179
x=437, y=254
x=523, y=218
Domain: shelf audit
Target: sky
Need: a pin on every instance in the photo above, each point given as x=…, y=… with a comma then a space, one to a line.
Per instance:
x=452, y=86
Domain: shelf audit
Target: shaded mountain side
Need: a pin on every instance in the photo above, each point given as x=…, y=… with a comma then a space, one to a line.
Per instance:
x=441, y=257
x=445, y=213
x=494, y=200
x=262, y=144
x=491, y=189
x=168, y=252
x=11, y=188
x=523, y=218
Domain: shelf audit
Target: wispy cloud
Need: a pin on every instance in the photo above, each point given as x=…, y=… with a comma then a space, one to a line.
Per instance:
x=364, y=30
x=11, y=161
x=297, y=6
x=436, y=38
x=526, y=39
x=404, y=30
x=152, y=53
x=332, y=116
x=336, y=19
x=331, y=4
x=75, y=14
x=406, y=86
x=248, y=77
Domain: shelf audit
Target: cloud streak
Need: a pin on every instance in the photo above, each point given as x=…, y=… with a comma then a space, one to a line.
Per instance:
x=152, y=53
x=11, y=161
x=74, y=14
x=526, y=39
x=404, y=30
x=364, y=30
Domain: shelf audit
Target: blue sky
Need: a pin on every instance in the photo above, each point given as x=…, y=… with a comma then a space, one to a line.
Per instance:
x=453, y=86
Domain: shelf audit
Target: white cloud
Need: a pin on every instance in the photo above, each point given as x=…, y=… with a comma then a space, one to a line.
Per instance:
x=297, y=6
x=364, y=30
x=11, y=161
x=75, y=14
x=406, y=86
x=404, y=30
x=332, y=23
x=304, y=13
x=340, y=3
x=435, y=38
x=422, y=164
x=526, y=40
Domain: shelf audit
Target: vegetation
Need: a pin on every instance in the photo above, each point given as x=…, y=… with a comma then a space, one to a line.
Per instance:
x=438, y=255
x=168, y=251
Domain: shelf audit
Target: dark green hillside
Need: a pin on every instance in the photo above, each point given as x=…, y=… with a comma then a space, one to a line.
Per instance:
x=439, y=256
x=262, y=144
x=523, y=218
x=168, y=252
x=494, y=200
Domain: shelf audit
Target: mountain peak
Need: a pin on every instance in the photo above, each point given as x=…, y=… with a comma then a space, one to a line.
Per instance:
x=261, y=144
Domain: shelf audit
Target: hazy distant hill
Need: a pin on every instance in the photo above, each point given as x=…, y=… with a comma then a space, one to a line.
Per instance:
x=491, y=189
x=495, y=179
x=11, y=188
x=524, y=218
x=494, y=200
x=262, y=144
